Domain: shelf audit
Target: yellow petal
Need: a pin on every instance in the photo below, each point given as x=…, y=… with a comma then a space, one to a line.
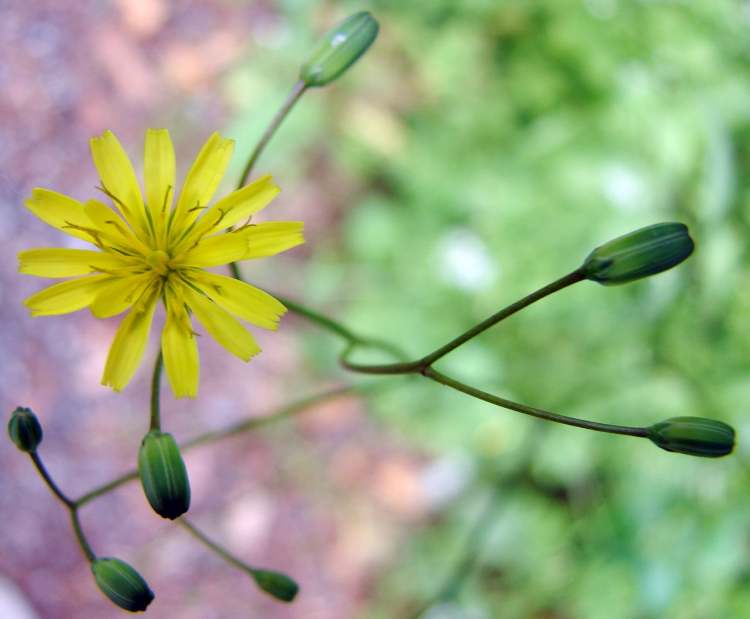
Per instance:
x=129, y=345
x=240, y=298
x=59, y=211
x=222, y=326
x=65, y=297
x=180, y=352
x=216, y=250
x=118, y=177
x=118, y=295
x=66, y=262
x=159, y=174
x=234, y=208
x=202, y=180
x=269, y=239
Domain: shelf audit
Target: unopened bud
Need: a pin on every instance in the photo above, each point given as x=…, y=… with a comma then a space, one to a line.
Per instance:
x=277, y=584
x=122, y=584
x=639, y=254
x=24, y=429
x=163, y=475
x=694, y=436
x=340, y=48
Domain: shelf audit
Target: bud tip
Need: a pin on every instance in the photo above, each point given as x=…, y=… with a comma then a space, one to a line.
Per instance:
x=24, y=429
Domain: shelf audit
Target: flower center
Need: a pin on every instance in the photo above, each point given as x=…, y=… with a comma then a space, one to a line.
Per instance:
x=158, y=260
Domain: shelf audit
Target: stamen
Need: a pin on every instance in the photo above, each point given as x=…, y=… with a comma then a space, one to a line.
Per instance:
x=120, y=228
x=90, y=231
x=112, y=196
x=197, y=207
x=166, y=199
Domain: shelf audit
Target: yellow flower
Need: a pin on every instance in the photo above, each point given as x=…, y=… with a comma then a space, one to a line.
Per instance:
x=151, y=249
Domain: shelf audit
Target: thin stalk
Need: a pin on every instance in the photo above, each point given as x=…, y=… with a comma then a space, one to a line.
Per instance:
x=420, y=365
x=155, y=423
x=106, y=488
x=49, y=481
x=297, y=90
x=283, y=413
x=405, y=367
x=72, y=506
x=317, y=318
x=219, y=550
x=78, y=530
x=243, y=426
x=534, y=412
x=563, y=282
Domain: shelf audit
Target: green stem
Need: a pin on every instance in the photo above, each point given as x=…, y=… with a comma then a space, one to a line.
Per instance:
x=78, y=530
x=316, y=317
x=155, y=423
x=563, y=282
x=338, y=329
x=106, y=488
x=219, y=550
x=420, y=365
x=297, y=91
x=71, y=505
x=36, y=459
x=534, y=412
x=243, y=426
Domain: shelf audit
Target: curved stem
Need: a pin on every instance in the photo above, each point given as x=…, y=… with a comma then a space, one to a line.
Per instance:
x=36, y=459
x=297, y=90
x=406, y=367
x=155, y=423
x=316, y=317
x=530, y=410
x=72, y=506
x=219, y=550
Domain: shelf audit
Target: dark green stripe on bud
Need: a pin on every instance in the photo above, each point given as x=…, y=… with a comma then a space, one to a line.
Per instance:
x=694, y=436
x=163, y=475
x=24, y=429
x=277, y=584
x=340, y=48
x=641, y=253
x=122, y=584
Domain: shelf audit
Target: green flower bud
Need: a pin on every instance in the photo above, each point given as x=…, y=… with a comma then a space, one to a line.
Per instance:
x=122, y=584
x=340, y=49
x=694, y=436
x=277, y=584
x=639, y=254
x=24, y=429
x=163, y=475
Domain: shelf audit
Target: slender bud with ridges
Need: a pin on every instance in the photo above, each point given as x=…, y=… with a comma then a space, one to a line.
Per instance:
x=641, y=253
x=339, y=49
x=694, y=436
x=163, y=475
x=24, y=429
x=122, y=584
x=276, y=584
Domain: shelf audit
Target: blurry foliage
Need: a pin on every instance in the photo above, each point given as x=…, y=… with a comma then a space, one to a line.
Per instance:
x=481, y=149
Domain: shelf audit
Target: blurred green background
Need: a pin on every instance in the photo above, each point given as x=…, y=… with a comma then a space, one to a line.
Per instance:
x=480, y=150
x=485, y=148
